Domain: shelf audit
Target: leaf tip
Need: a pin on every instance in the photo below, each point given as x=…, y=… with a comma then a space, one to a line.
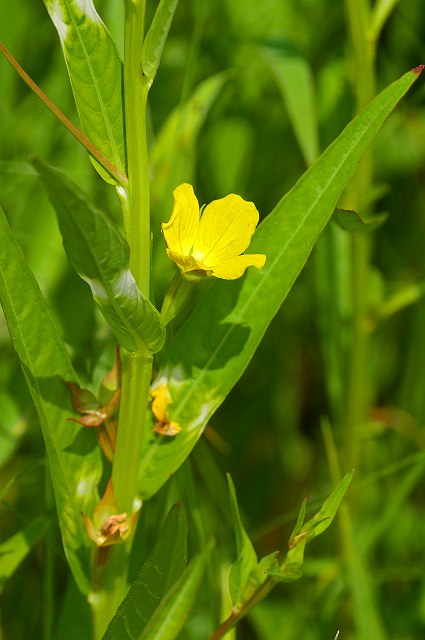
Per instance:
x=418, y=70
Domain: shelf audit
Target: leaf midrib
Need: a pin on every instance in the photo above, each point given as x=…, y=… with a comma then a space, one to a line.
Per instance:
x=29, y=361
x=197, y=381
x=108, y=126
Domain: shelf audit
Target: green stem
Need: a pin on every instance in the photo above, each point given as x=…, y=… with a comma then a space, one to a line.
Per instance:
x=358, y=12
x=111, y=581
x=136, y=367
x=178, y=294
x=136, y=87
x=359, y=21
x=137, y=372
x=110, y=588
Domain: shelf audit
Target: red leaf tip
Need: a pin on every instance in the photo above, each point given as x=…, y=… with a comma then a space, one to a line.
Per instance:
x=418, y=69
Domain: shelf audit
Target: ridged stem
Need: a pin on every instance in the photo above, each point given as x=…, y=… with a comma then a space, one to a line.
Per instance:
x=358, y=12
x=136, y=367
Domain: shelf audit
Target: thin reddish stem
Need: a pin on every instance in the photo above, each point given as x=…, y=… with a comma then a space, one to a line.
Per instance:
x=237, y=615
x=119, y=177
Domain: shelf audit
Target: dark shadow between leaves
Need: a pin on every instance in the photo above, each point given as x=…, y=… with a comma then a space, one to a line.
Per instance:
x=84, y=442
x=208, y=339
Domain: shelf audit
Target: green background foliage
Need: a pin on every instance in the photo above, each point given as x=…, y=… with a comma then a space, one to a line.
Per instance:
x=223, y=115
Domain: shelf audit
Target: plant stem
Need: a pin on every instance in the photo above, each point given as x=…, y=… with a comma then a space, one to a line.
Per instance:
x=109, y=589
x=359, y=21
x=237, y=615
x=136, y=378
x=136, y=88
x=177, y=296
x=358, y=12
x=136, y=367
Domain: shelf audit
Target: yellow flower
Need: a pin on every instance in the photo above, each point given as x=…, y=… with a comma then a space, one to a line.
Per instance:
x=161, y=398
x=211, y=244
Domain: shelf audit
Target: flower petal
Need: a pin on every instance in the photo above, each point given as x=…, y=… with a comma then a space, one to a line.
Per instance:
x=235, y=268
x=181, y=229
x=225, y=230
x=185, y=263
x=161, y=398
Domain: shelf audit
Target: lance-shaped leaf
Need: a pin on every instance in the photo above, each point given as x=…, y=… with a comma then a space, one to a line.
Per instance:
x=247, y=558
x=215, y=345
x=100, y=255
x=295, y=82
x=74, y=460
x=154, y=42
x=95, y=71
x=170, y=616
x=174, y=153
x=160, y=572
x=304, y=532
x=323, y=518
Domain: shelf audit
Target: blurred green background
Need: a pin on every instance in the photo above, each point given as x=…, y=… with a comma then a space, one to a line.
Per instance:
x=220, y=117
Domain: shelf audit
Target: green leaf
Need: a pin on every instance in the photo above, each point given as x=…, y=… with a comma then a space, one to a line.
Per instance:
x=100, y=255
x=15, y=549
x=156, y=36
x=95, y=71
x=74, y=460
x=169, y=618
x=295, y=82
x=160, y=572
x=323, y=518
x=215, y=345
x=291, y=568
x=246, y=559
x=355, y=223
x=174, y=153
x=300, y=519
x=260, y=572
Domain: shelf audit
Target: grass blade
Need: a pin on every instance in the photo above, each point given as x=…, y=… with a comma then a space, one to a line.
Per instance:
x=295, y=82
